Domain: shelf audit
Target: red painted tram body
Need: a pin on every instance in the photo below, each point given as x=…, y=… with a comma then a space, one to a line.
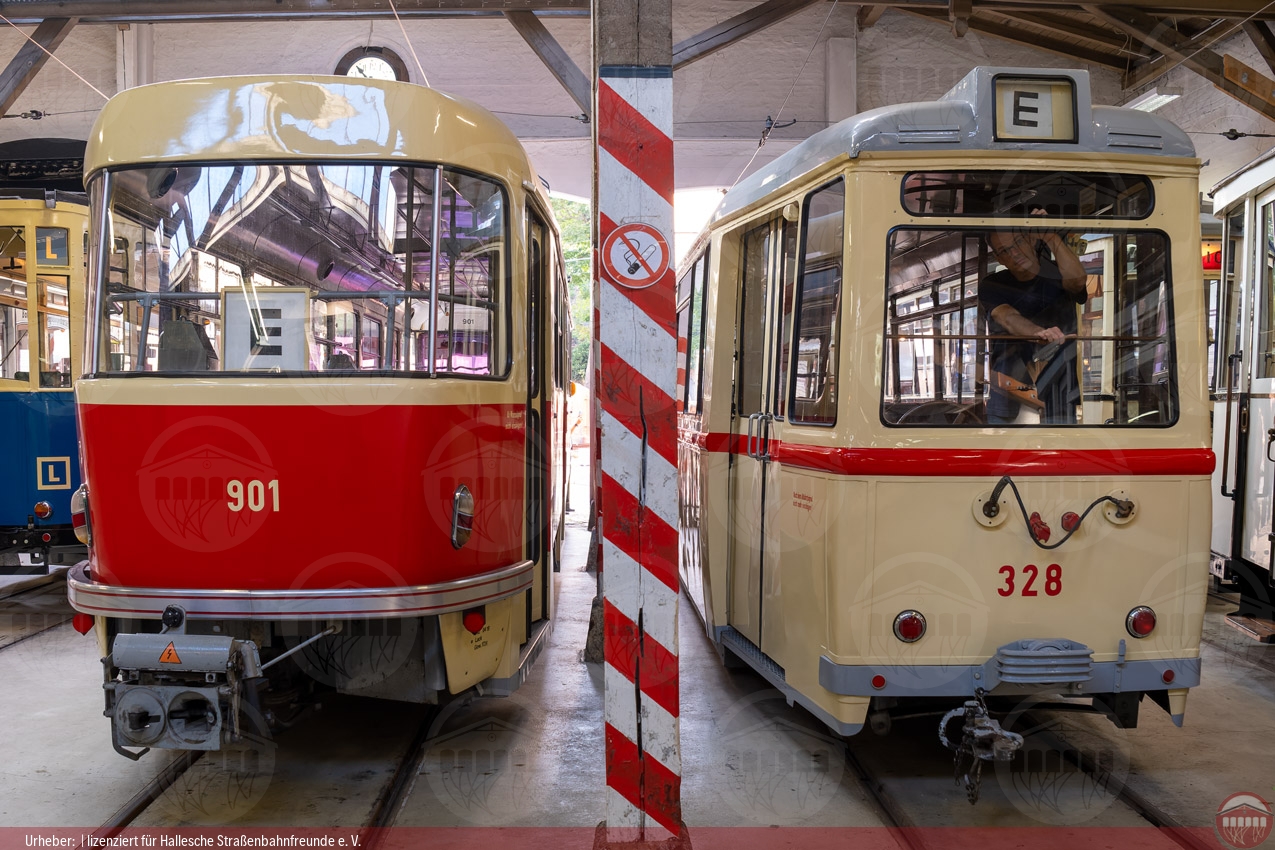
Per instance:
x=323, y=414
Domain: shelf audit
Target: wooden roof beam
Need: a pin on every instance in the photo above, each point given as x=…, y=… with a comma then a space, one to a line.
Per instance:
x=1031, y=39
x=1177, y=47
x=562, y=66
x=869, y=15
x=735, y=29
x=30, y=59
x=1066, y=27
x=1263, y=40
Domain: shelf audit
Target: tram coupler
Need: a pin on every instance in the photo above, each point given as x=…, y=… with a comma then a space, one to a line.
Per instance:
x=180, y=691
x=982, y=739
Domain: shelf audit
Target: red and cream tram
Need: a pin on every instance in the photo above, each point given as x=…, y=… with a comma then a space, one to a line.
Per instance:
x=323, y=412
x=944, y=425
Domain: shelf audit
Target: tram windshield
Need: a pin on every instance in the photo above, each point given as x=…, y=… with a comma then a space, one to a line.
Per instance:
x=301, y=268
x=1028, y=327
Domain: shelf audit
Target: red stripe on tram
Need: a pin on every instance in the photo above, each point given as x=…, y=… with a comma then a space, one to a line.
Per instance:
x=972, y=462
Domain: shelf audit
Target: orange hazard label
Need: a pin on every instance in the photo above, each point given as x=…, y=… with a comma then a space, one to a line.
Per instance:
x=169, y=655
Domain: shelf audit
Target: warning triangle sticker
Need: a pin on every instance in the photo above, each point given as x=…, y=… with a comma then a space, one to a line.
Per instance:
x=169, y=655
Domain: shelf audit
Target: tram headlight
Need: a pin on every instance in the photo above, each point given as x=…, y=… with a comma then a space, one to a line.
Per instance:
x=1140, y=622
x=80, y=515
x=909, y=626
x=462, y=516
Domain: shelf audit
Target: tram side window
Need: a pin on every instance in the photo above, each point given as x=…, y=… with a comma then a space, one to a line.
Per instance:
x=15, y=357
x=695, y=342
x=950, y=362
x=1224, y=310
x=814, y=383
x=303, y=268
x=55, y=332
x=1265, y=348
x=683, y=334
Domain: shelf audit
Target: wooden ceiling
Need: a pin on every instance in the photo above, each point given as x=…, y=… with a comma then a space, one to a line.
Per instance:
x=1141, y=39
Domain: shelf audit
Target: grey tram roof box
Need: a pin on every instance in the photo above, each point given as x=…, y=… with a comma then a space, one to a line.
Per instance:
x=963, y=119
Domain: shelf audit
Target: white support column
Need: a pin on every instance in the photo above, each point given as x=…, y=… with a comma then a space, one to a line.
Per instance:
x=842, y=78
x=134, y=56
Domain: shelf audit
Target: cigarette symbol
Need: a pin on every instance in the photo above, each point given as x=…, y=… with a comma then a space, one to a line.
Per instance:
x=633, y=262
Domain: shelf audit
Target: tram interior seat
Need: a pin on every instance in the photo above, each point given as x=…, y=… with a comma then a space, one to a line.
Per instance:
x=21, y=376
x=339, y=362
x=56, y=380
x=935, y=412
x=183, y=347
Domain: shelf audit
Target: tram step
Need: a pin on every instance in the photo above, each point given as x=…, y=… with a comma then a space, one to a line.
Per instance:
x=1258, y=629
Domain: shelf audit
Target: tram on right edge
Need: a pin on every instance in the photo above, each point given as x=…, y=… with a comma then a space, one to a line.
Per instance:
x=1241, y=303
x=944, y=422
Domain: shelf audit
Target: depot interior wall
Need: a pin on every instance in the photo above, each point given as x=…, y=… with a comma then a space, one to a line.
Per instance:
x=720, y=103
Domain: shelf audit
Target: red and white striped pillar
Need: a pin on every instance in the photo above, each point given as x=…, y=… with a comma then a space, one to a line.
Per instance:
x=637, y=340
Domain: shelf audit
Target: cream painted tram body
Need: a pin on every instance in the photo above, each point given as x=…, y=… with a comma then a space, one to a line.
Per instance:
x=1242, y=381
x=847, y=526
x=323, y=413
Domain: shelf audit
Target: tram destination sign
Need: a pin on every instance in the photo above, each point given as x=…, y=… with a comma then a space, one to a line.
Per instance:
x=1035, y=109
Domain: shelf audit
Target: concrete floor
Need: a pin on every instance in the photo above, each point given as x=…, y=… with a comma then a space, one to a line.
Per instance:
x=536, y=759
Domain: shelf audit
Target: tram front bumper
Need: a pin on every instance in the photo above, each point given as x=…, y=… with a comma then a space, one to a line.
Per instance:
x=1051, y=666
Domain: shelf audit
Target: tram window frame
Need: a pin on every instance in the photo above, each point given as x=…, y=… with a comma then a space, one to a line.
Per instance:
x=821, y=410
x=1226, y=327
x=691, y=309
x=106, y=282
x=1171, y=409
x=1004, y=198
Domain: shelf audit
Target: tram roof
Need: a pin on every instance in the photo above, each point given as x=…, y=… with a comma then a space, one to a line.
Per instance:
x=962, y=120
x=302, y=117
x=1251, y=177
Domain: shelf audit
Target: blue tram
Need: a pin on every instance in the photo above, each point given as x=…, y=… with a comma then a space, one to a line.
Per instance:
x=42, y=239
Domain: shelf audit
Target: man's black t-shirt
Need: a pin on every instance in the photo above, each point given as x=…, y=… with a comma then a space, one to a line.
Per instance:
x=1044, y=302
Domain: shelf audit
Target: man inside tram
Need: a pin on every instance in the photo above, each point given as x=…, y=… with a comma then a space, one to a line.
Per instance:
x=1031, y=308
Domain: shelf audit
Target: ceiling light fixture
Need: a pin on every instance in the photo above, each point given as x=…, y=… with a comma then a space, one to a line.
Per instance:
x=1153, y=98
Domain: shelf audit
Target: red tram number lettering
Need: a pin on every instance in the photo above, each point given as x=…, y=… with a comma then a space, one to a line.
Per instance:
x=1053, y=580
x=255, y=493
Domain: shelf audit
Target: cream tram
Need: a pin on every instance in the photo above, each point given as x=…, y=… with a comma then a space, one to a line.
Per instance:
x=1242, y=381
x=943, y=417
x=323, y=411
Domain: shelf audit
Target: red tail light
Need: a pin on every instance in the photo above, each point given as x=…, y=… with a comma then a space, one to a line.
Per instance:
x=474, y=619
x=82, y=623
x=1140, y=622
x=909, y=626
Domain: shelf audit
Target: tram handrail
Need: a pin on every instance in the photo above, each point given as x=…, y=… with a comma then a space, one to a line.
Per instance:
x=1077, y=337
x=1231, y=361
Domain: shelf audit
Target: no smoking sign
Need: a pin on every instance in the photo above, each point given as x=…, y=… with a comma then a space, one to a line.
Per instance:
x=635, y=256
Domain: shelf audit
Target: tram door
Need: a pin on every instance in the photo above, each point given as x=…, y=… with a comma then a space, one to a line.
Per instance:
x=540, y=384
x=1259, y=469
x=1227, y=303
x=756, y=428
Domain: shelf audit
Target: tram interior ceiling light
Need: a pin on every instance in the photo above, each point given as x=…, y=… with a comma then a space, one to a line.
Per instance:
x=1153, y=98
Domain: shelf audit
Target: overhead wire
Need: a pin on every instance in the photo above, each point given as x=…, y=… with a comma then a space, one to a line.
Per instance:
x=410, y=47
x=54, y=58
x=770, y=124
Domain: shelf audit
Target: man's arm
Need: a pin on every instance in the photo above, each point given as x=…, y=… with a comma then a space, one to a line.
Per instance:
x=1074, y=278
x=1019, y=325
